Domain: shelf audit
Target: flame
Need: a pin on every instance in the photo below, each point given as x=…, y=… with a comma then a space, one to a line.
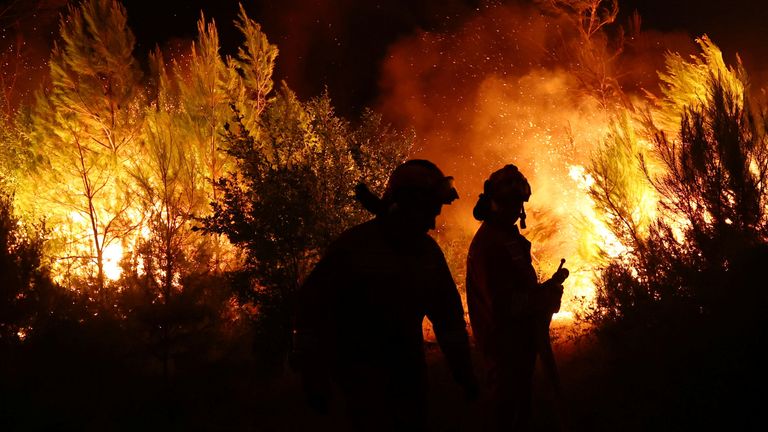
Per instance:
x=492, y=93
x=499, y=90
x=113, y=254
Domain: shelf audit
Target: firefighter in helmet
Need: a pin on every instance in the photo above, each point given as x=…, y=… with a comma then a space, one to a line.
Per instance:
x=506, y=302
x=360, y=311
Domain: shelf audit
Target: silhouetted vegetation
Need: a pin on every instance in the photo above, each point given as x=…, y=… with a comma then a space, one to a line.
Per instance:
x=681, y=310
x=291, y=194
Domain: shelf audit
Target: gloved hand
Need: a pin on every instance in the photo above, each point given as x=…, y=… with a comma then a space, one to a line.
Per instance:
x=551, y=293
x=560, y=276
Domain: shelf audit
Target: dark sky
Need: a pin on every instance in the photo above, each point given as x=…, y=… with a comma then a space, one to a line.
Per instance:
x=341, y=43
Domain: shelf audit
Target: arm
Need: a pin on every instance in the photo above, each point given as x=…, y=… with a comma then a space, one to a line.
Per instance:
x=313, y=328
x=552, y=290
x=445, y=311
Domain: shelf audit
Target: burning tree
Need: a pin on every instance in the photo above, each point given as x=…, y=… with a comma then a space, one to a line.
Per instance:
x=709, y=183
x=86, y=128
x=122, y=164
x=593, y=53
x=681, y=295
x=119, y=161
x=182, y=157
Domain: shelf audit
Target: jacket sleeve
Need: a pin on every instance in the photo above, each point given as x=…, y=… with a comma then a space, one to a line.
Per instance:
x=445, y=311
x=478, y=299
x=312, y=329
x=313, y=318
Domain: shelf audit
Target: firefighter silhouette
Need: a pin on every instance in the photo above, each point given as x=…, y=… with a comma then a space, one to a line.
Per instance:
x=509, y=310
x=360, y=311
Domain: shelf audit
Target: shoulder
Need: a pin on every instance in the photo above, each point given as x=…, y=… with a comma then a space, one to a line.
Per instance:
x=361, y=234
x=486, y=238
x=430, y=245
x=517, y=241
x=491, y=241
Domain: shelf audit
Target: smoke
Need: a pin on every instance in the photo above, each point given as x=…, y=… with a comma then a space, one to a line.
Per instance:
x=25, y=46
x=512, y=86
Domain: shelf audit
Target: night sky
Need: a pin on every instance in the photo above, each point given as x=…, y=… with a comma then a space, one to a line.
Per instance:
x=342, y=43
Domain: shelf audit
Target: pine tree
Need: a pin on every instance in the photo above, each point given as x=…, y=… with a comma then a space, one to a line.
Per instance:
x=252, y=70
x=708, y=178
x=85, y=127
x=590, y=53
x=687, y=83
x=205, y=85
x=620, y=189
x=170, y=189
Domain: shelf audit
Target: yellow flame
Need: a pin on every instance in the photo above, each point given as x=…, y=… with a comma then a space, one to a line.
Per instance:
x=113, y=253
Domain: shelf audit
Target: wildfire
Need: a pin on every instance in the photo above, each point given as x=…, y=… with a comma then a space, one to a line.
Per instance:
x=506, y=88
x=502, y=89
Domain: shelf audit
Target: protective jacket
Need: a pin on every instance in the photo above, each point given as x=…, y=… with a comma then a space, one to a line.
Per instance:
x=501, y=285
x=502, y=298
x=364, y=303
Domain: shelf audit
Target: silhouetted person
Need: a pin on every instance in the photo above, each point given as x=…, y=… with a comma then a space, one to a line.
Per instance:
x=359, y=320
x=507, y=306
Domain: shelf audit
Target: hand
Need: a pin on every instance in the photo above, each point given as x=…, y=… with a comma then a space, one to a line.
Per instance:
x=560, y=276
x=552, y=291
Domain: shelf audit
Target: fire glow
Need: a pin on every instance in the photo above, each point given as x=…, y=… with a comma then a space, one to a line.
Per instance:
x=506, y=87
x=546, y=93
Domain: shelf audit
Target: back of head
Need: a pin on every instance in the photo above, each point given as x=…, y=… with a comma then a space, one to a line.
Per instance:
x=507, y=183
x=416, y=181
x=419, y=180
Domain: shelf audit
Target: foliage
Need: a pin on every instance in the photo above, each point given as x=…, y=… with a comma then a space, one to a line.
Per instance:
x=85, y=127
x=253, y=65
x=591, y=55
x=14, y=155
x=686, y=83
x=26, y=284
x=621, y=189
x=292, y=193
x=709, y=182
x=686, y=292
x=117, y=161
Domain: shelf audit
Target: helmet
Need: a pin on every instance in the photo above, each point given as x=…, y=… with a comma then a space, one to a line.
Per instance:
x=418, y=180
x=506, y=184
x=509, y=183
